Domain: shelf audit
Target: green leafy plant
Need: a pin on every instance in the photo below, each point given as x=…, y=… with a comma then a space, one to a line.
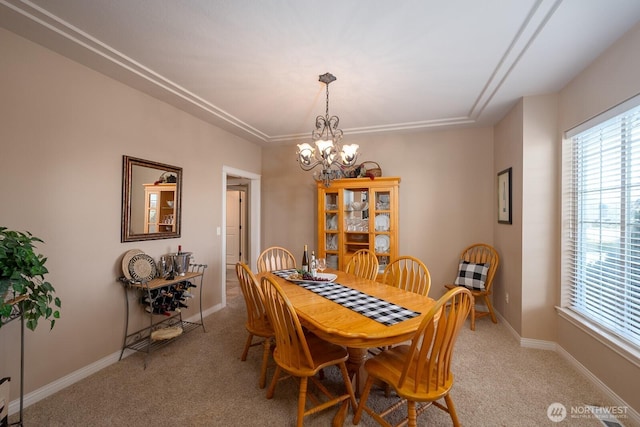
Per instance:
x=22, y=273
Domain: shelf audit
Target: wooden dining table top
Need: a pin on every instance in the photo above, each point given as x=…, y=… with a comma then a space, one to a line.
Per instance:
x=343, y=326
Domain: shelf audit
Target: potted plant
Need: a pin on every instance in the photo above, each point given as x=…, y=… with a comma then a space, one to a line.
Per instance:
x=22, y=272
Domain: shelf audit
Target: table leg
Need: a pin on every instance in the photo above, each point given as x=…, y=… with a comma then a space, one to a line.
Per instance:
x=355, y=365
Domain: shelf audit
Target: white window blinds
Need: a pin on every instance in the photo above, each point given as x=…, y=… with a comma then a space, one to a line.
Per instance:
x=601, y=202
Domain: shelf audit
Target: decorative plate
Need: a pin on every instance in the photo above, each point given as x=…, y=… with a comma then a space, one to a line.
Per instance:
x=382, y=222
x=333, y=222
x=332, y=242
x=126, y=258
x=382, y=243
x=142, y=268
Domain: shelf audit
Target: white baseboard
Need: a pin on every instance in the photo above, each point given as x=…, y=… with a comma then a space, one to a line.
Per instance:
x=630, y=412
x=61, y=383
x=74, y=377
x=633, y=415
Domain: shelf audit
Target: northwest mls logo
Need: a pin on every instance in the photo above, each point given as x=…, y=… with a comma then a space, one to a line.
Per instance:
x=556, y=412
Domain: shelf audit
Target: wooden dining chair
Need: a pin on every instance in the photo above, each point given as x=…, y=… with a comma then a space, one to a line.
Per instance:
x=420, y=372
x=408, y=273
x=257, y=324
x=275, y=258
x=363, y=263
x=302, y=355
x=476, y=269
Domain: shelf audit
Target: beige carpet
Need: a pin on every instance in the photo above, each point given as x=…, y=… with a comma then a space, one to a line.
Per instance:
x=199, y=380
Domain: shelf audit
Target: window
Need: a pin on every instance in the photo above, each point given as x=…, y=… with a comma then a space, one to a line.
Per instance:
x=601, y=202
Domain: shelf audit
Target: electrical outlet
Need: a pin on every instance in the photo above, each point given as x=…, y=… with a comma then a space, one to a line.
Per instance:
x=506, y=297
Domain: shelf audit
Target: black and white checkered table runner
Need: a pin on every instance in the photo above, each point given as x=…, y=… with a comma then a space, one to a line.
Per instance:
x=374, y=308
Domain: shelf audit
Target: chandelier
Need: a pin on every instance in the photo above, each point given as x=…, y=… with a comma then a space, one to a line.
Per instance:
x=328, y=152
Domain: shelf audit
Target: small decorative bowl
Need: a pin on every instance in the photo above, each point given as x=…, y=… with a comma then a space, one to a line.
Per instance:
x=358, y=206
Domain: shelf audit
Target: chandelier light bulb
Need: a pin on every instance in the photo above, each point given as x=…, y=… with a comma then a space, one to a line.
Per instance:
x=305, y=153
x=349, y=153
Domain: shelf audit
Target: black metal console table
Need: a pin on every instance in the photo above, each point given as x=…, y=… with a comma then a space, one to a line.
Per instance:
x=148, y=292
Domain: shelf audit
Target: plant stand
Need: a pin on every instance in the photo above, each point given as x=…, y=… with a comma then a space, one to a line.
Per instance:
x=15, y=314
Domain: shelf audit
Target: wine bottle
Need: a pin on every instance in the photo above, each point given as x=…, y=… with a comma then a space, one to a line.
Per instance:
x=305, y=259
x=312, y=264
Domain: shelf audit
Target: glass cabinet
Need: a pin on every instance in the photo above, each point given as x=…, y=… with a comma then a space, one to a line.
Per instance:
x=358, y=213
x=160, y=208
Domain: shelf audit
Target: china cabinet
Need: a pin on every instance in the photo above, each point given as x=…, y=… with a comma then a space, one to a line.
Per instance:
x=160, y=208
x=358, y=213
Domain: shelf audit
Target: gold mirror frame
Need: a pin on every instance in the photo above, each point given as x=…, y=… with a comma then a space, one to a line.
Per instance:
x=133, y=198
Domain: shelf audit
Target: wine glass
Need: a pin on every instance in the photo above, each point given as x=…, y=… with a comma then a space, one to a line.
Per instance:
x=321, y=264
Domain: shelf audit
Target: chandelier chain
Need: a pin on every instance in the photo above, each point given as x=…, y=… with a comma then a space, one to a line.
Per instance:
x=327, y=105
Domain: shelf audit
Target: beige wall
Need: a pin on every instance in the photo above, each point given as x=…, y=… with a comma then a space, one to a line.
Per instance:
x=526, y=140
x=539, y=228
x=508, y=237
x=63, y=131
x=609, y=80
x=446, y=194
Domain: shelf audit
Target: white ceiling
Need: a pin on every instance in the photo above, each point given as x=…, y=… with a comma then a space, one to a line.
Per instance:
x=252, y=66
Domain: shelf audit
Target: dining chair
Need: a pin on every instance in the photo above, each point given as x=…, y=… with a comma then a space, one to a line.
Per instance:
x=408, y=273
x=420, y=373
x=257, y=321
x=275, y=258
x=301, y=354
x=476, y=269
x=363, y=263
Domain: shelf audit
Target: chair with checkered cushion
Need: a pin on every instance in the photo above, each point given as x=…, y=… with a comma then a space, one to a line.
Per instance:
x=363, y=263
x=476, y=269
x=275, y=258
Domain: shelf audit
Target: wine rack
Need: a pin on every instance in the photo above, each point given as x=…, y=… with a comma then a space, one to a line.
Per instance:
x=162, y=301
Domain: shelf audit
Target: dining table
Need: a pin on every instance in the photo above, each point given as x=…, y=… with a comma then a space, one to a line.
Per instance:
x=354, y=312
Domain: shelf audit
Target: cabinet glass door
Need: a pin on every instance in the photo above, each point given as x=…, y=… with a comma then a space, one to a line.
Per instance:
x=331, y=229
x=152, y=214
x=382, y=226
x=356, y=221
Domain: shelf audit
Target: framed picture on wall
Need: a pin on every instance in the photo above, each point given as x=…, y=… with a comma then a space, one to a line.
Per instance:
x=504, y=196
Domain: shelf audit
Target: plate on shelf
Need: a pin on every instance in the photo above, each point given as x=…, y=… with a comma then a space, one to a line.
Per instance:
x=142, y=268
x=332, y=242
x=382, y=222
x=125, y=262
x=326, y=278
x=332, y=223
x=382, y=243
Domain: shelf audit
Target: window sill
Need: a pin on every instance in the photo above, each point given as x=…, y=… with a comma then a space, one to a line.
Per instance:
x=623, y=348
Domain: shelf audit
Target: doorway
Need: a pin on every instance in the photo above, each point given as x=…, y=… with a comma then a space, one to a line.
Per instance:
x=237, y=228
x=240, y=231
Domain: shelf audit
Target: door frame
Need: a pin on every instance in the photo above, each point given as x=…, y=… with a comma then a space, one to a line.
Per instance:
x=253, y=222
x=243, y=234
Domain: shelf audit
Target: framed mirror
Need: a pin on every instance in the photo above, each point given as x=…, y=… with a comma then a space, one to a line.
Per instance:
x=151, y=200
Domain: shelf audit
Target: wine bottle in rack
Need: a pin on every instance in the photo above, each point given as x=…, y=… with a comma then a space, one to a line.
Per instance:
x=305, y=259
